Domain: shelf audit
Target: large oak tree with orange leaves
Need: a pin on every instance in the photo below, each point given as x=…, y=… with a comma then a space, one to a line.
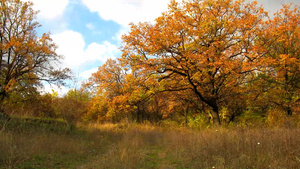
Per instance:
x=207, y=47
x=25, y=58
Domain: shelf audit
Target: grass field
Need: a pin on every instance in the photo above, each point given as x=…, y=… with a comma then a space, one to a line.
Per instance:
x=45, y=143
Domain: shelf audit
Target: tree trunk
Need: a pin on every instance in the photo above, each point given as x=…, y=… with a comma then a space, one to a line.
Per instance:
x=2, y=97
x=215, y=116
x=186, y=111
x=208, y=118
x=289, y=111
x=4, y=118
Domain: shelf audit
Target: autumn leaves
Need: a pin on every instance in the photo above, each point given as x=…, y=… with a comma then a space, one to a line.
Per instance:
x=219, y=51
x=25, y=58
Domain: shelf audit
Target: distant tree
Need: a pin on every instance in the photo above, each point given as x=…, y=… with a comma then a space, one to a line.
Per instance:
x=107, y=85
x=109, y=79
x=78, y=95
x=72, y=106
x=118, y=94
x=25, y=57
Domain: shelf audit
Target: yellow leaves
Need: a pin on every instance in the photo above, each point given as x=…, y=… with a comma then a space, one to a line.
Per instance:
x=13, y=43
x=210, y=46
x=121, y=91
x=9, y=85
x=283, y=31
x=25, y=57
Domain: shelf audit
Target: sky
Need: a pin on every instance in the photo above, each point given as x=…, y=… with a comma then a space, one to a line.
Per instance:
x=88, y=32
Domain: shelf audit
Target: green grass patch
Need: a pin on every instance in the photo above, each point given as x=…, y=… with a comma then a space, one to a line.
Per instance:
x=23, y=124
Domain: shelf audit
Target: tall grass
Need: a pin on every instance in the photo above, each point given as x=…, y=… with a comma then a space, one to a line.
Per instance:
x=36, y=143
x=153, y=147
x=254, y=148
x=147, y=146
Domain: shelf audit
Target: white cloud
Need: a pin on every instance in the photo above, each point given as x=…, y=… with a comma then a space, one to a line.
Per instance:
x=125, y=11
x=71, y=45
x=87, y=74
x=50, y=9
x=47, y=88
x=273, y=6
x=100, y=52
x=90, y=26
x=120, y=33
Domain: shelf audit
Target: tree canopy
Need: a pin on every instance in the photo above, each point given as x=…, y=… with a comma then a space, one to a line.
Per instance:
x=25, y=58
x=204, y=46
x=223, y=58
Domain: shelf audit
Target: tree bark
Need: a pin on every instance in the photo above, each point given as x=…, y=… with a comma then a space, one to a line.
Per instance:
x=3, y=116
x=215, y=116
x=289, y=111
x=186, y=111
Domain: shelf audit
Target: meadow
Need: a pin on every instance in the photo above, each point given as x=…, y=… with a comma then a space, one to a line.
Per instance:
x=47, y=143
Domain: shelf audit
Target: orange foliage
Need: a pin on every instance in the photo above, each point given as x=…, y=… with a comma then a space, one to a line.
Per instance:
x=204, y=46
x=25, y=58
x=282, y=60
x=221, y=57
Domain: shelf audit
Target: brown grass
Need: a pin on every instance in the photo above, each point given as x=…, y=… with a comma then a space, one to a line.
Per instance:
x=265, y=148
x=153, y=147
x=146, y=146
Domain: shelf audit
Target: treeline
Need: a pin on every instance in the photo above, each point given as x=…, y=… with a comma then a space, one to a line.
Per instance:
x=222, y=60
x=201, y=62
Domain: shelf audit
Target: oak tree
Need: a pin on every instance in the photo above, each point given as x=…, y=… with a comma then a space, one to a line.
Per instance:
x=119, y=93
x=107, y=84
x=282, y=60
x=24, y=56
x=201, y=45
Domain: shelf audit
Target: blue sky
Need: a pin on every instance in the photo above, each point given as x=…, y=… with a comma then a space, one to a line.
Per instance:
x=88, y=32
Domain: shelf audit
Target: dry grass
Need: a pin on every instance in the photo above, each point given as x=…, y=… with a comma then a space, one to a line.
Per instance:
x=265, y=148
x=19, y=148
x=146, y=146
x=153, y=147
x=43, y=145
